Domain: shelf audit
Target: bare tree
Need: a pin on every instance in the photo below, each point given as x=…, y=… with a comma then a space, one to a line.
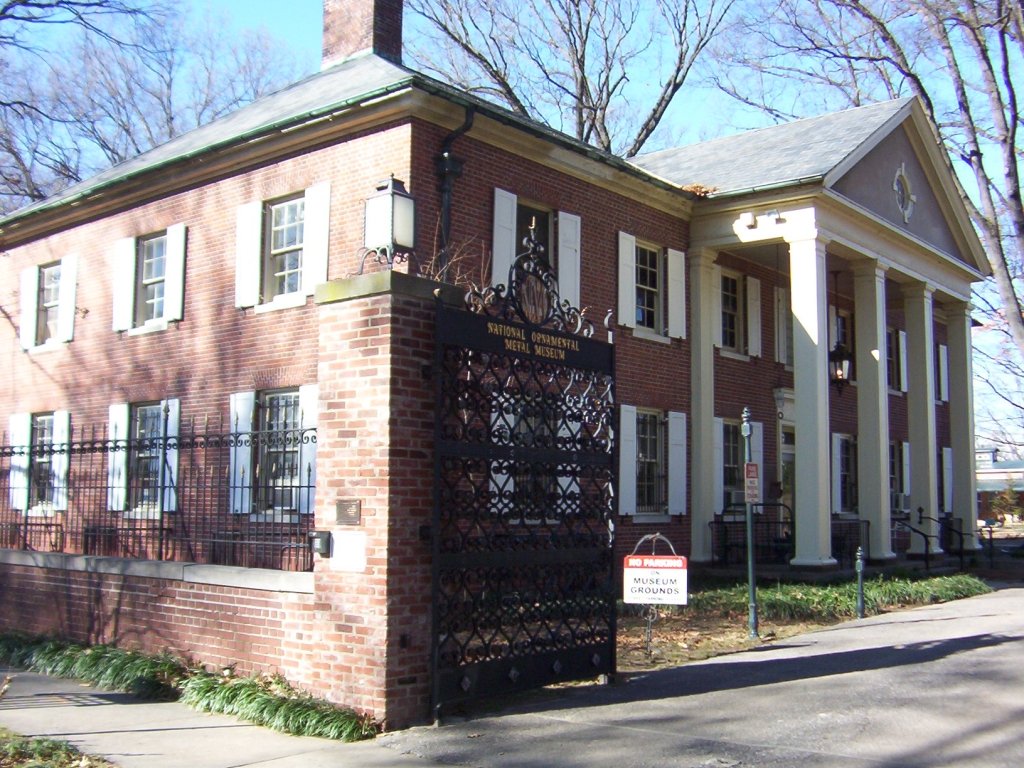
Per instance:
x=18, y=17
x=604, y=71
x=107, y=98
x=962, y=58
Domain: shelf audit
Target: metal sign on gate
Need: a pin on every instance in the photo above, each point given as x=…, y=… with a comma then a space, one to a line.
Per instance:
x=521, y=535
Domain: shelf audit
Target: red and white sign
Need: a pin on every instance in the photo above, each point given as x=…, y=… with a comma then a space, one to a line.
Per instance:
x=752, y=484
x=654, y=579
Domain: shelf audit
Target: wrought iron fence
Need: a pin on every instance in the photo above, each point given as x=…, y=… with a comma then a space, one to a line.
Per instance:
x=201, y=496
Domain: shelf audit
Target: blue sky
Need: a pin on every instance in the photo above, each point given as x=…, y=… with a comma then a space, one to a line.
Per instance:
x=298, y=22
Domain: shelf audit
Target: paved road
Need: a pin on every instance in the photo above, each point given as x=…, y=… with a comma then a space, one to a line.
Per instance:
x=937, y=686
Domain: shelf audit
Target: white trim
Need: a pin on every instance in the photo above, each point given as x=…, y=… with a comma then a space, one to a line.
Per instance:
x=309, y=408
x=676, y=298
x=248, y=253
x=569, y=235
x=947, y=479
x=174, y=273
x=753, y=310
x=718, y=451
x=676, y=463
x=118, y=425
x=943, y=373
x=627, y=280
x=716, y=308
x=783, y=341
x=503, y=245
x=66, y=306
x=906, y=485
x=903, y=360
x=837, y=491
x=19, y=436
x=124, y=258
x=316, y=235
x=627, y=460
x=170, y=479
x=60, y=459
x=242, y=407
x=29, y=307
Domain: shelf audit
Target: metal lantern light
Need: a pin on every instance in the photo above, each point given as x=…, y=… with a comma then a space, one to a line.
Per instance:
x=389, y=225
x=839, y=358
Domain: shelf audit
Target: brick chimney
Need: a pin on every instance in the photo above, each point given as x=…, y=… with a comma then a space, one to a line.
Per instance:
x=353, y=27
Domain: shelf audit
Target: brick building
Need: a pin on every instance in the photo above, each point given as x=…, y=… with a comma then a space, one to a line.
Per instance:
x=224, y=279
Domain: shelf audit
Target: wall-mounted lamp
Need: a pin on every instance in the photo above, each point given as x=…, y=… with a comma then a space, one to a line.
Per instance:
x=780, y=402
x=748, y=220
x=839, y=358
x=389, y=224
x=774, y=216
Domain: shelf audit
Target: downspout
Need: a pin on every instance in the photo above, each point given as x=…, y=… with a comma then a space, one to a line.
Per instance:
x=449, y=168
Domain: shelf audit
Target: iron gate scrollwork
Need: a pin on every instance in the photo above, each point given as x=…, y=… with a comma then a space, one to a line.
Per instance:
x=522, y=529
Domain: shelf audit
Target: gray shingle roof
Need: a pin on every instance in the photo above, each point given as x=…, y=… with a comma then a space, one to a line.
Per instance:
x=774, y=156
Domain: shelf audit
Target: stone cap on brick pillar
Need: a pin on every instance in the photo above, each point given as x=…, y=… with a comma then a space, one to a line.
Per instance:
x=355, y=27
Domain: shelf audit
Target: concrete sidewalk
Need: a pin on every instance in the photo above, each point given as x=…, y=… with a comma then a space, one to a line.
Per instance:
x=137, y=734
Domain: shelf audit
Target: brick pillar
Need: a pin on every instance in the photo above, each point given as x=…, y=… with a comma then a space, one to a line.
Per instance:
x=353, y=27
x=375, y=450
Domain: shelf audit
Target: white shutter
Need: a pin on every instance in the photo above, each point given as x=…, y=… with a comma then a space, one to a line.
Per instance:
x=716, y=305
x=66, y=306
x=569, y=257
x=676, y=463
x=504, y=246
x=243, y=405
x=753, y=309
x=248, y=253
x=309, y=407
x=123, y=284
x=316, y=232
x=627, y=281
x=905, y=486
x=943, y=373
x=903, y=361
x=627, y=460
x=20, y=437
x=947, y=479
x=174, y=273
x=757, y=446
x=59, y=460
x=170, y=468
x=29, y=306
x=718, y=480
x=837, y=491
x=676, y=294
x=117, y=456
x=782, y=336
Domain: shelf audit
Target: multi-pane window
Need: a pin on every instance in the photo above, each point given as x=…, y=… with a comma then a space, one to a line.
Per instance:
x=896, y=479
x=732, y=463
x=41, y=479
x=284, y=247
x=847, y=467
x=48, y=303
x=732, y=313
x=151, y=272
x=145, y=453
x=892, y=357
x=277, y=474
x=784, y=329
x=648, y=288
x=650, y=463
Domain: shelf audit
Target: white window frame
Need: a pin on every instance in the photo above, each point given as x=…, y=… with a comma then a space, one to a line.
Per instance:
x=127, y=281
x=843, y=443
x=672, y=290
x=736, y=493
x=674, y=431
x=252, y=243
x=241, y=496
x=748, y=314
x=783, y=327
x=20, y=434
x=942, y=379
x=120, y=434
x=29, y=315
x=896, y=360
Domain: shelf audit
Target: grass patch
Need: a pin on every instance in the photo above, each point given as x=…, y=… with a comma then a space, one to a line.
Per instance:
x=23, y=752
x=265, y=701
x=835, y=602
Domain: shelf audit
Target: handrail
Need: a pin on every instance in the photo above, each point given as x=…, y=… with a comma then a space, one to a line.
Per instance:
x=943, y=526
x=927, y=541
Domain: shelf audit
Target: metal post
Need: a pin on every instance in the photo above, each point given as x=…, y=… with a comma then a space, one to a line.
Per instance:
x=860, y=582
x=751, y=584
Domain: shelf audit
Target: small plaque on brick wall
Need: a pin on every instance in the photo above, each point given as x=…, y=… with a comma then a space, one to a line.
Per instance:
x=347, y=511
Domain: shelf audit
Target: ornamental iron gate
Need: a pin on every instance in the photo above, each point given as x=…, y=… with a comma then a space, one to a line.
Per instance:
x=522, y=528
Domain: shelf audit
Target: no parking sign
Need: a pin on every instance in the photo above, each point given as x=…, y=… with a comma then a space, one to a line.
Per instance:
x=654, y=579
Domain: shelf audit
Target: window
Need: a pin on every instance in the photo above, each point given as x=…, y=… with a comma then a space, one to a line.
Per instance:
x=142, y=460
x=652, y=288
x=732, y=316
x=652, y=448
x=281, y=249
x=899, y=476
x=730, y=457
x=149, y=280
x=738, y=304
x=844, y=474
x=558, y=231
x=650, y=463
x=896, y=359
x=273, y=452
x=48, y=303
x=783, y=327
x=38, y=474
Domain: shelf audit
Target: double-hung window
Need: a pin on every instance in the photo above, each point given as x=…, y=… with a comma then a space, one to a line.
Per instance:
x=39, y=462
x=783, y=326
x=149, y=280
x=730, y=451
x=896, y=359
x=48, y=303
x=273, y=452
x=844, y=474
x=558, y=232
x=142, y=460
x=652, y=288
x=738, y=309
x=281, y=248
x=899, y=476
x=652, y=462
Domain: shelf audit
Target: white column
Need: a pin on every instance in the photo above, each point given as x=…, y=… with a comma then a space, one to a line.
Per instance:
x=961, y=420
x=924, y=493
x=702, y=400
x=807, y=275
x=872, y=407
